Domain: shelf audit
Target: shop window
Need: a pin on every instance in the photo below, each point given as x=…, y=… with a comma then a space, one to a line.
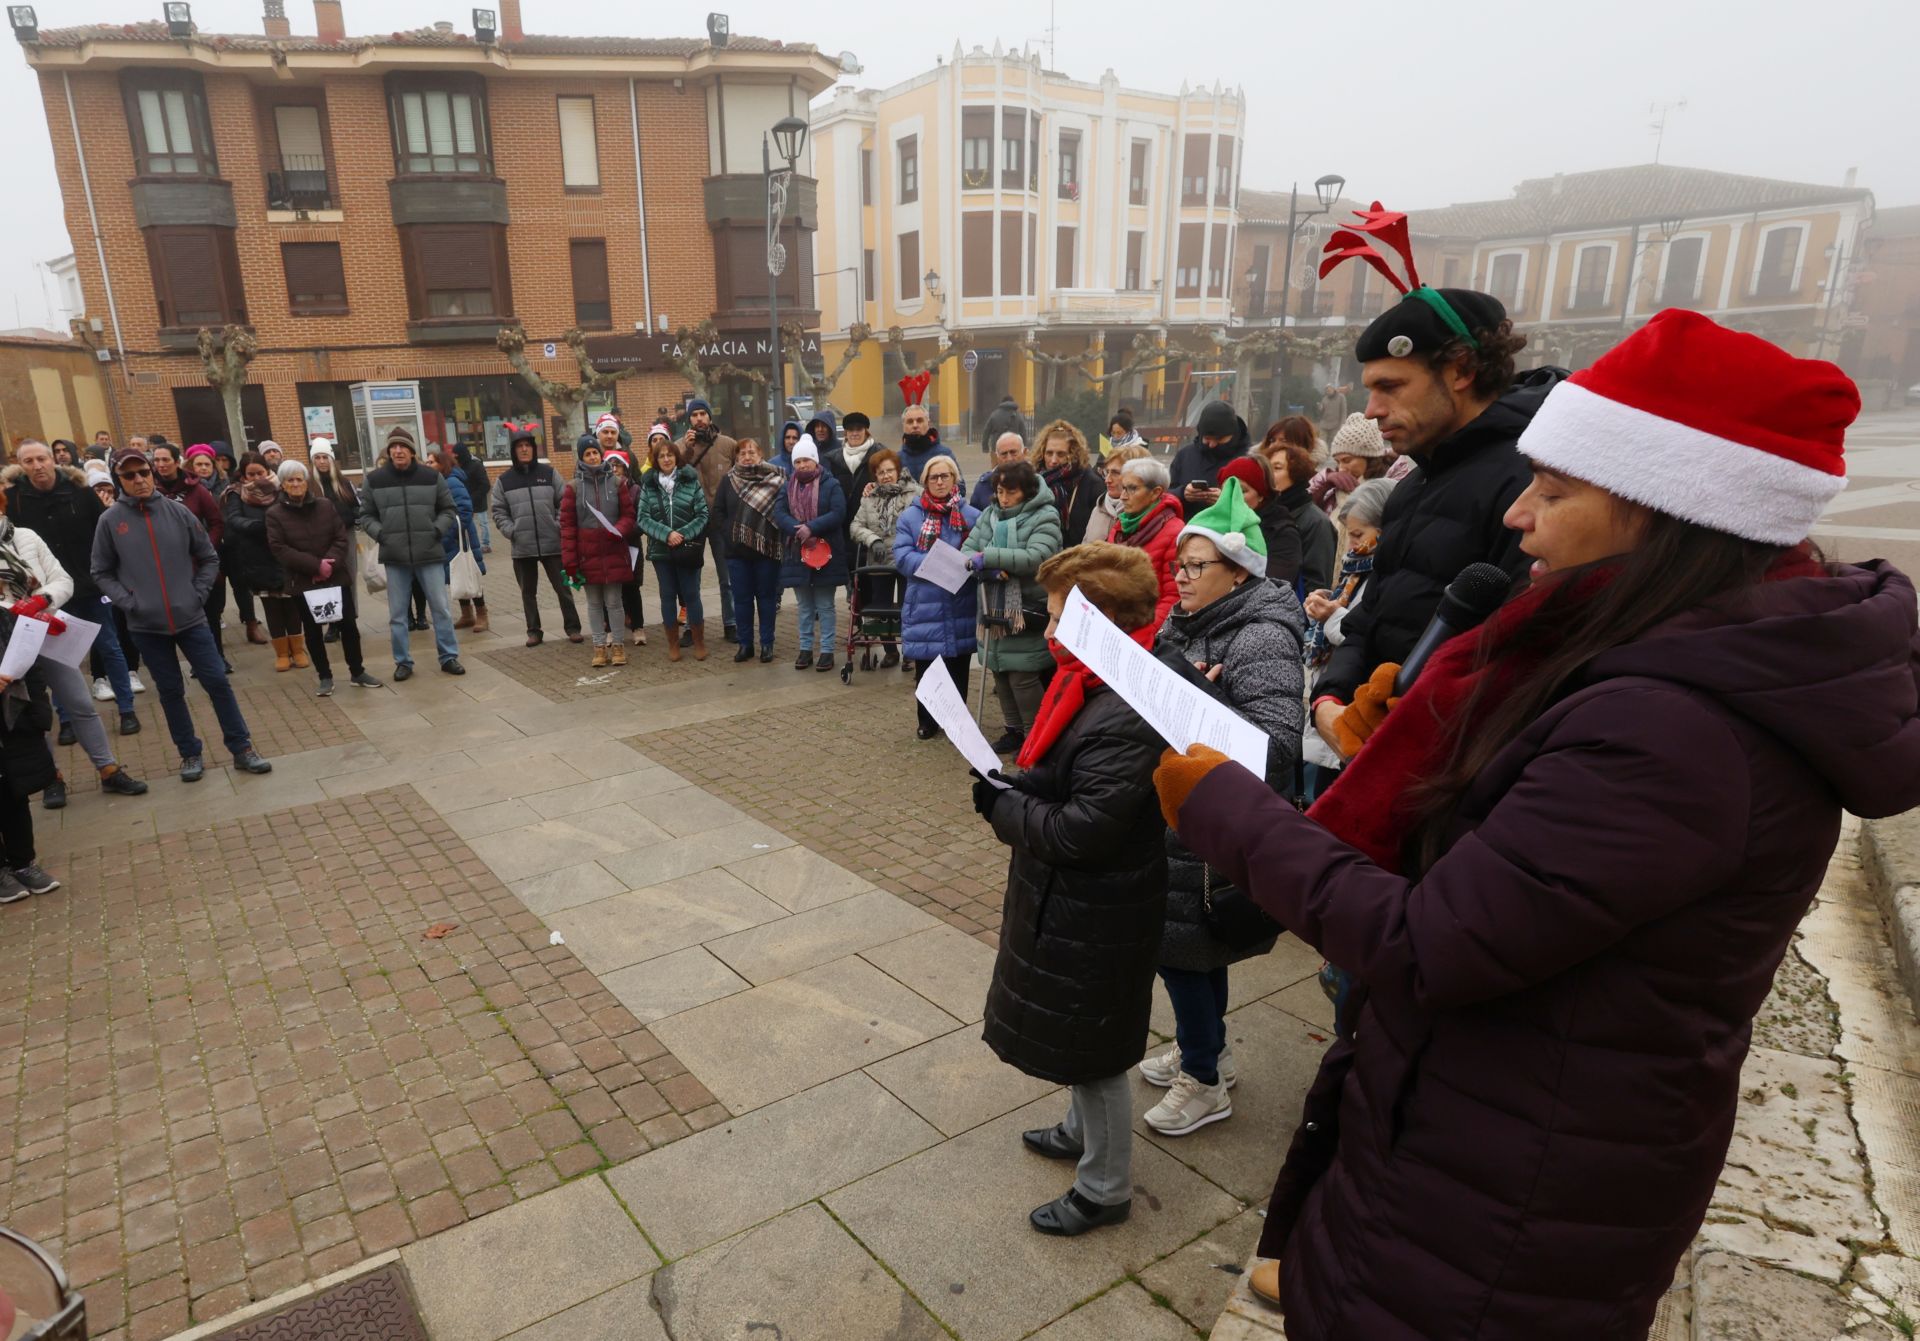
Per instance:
x=592, y=295
x=167, y=113
x=316, y=279
x=196, y=276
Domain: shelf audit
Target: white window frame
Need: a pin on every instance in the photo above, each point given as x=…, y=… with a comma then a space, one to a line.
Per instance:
x=1805, y=230
x=1573, y=281
x=1699, y=274
x=572, y=175
x=1518, y=297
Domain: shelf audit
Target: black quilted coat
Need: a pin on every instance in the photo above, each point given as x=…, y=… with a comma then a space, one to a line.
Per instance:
x=1086, y=897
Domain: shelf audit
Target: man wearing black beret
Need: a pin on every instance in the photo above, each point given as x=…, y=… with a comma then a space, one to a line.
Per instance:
x=1439, y=373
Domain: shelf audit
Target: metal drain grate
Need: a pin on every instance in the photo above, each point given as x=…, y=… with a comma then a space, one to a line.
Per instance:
x=374, y=1307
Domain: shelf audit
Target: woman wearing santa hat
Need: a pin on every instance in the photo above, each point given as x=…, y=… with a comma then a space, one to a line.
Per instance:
x=1565, y=868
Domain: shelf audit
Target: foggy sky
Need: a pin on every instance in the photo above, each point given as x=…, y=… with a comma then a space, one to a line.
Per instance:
x=1418, y=104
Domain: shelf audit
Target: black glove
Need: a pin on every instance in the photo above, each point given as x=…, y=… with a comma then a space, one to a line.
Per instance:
x=985, y=794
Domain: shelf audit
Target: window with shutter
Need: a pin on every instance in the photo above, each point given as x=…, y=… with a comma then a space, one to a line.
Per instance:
x=909, y=149
x=1069, y=184
x=867, y=268
x=196, y=276
x=1223, y=171
x=1063, y=257
x=1010, y=253
x=866, y=176
x=1186, y=278
x=909, y=266
x=976, y=254
x=1013, y=149
x=316, y=279
x=579, y=146
x=976, y=148
x=592, y=296
x=1137, y=174
x=1217, y=263
x=1136, y=251
x=457, y=270
x=167, y=114
x=1193, y=171
x=298, y=180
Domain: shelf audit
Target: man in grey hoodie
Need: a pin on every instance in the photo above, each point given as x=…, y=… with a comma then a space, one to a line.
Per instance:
x=152, y=559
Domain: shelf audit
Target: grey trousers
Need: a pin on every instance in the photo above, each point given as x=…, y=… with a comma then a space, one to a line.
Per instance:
x=1100, y=1118
x=70, y=690
x=1019, y=693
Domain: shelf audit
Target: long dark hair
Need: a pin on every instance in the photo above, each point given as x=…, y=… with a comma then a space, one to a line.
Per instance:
x=1676, y=567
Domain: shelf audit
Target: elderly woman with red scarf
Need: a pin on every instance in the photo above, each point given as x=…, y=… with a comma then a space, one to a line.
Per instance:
x=1086, y=896
x=936, y=624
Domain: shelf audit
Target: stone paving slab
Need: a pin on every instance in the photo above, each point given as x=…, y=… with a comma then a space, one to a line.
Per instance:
x=672, y=983
x=1124, y=1311
x=831, y=931
x=643, y=924
x=956, y=1082
x=946, y=966
x=624, y=1313
x=1197, y=1280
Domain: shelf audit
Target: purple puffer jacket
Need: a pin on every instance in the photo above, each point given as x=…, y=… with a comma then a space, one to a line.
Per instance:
x=1545, y=1073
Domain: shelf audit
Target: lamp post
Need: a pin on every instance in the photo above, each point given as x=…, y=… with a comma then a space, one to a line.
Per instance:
x=1256, y=297
x=788, y=136
x=1327, y=188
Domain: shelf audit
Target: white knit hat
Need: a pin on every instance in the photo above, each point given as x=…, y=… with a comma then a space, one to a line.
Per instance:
x=1359, y=436
x=319, y=447
x=804, y=450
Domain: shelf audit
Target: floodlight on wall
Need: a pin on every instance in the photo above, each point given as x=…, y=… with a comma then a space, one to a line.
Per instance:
x=179, y=18
x=1328, y=189
x=850, y=64
x=485, y=25
x=718, y=29
x=789, y=138
x=26, y=27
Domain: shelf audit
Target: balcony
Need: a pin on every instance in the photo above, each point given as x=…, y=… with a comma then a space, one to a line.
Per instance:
x=1083, y=307
x=299, y=183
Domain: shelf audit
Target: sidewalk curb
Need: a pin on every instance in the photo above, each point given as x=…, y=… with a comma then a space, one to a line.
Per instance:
x=1890, y=855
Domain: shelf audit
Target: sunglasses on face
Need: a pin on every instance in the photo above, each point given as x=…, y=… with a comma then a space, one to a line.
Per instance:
x=138, y=473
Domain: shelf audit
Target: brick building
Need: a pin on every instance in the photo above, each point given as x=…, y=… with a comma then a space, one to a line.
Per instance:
x=377, y=208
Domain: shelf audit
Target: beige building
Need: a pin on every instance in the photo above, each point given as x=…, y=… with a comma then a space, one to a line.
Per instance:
x=994, y=196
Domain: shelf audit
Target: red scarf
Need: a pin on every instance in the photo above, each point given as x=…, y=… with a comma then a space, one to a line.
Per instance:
x=1063, y=699
x=1370, y=806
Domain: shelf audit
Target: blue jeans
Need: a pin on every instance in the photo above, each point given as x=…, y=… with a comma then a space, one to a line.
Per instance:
x=210, y=669
x=432, y=578
x=112, y=657
x=481, y=530
x=1199, y=999
x=816, y=609
x=679, y=586
x=756, y=587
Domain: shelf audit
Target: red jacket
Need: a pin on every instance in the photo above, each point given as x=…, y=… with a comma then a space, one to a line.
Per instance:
x=195, y=497
x=1159, y=535
x=589, y=551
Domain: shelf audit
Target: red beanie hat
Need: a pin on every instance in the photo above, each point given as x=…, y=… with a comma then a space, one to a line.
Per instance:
x=1716, y=427
x=1250, y=471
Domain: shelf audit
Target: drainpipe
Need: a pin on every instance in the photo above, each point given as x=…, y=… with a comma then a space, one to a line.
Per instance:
x=93, y=221
x=640, y=199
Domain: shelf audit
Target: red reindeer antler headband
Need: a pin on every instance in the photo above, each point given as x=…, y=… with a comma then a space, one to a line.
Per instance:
x=914, y=386
x=1390, y=227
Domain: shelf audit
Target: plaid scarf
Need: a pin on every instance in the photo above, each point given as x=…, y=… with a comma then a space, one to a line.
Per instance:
x=16, y=575
x=940, y=513
x=754, y=530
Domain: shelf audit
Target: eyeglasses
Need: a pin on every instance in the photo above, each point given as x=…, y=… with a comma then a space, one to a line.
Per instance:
x=1129, y=490
x=138, y=473
x=1193, y=568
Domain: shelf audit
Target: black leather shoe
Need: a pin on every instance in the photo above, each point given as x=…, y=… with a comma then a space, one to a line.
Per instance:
x=1074, y=1214
x=129, y=724
x=743, y=654
x=925, y=732
x=766, y=655
x=452, y=666
x=402, y=671
x=66, y=733
x=54, y=797
x=804, y=660
x=1051, y=1142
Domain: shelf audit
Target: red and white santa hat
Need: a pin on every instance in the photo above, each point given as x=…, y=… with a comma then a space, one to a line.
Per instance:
x=606, y=421
x=1716, y=427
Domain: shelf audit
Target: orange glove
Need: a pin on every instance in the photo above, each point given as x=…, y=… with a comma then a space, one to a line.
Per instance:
x=1179, y=774
x=1368, y=709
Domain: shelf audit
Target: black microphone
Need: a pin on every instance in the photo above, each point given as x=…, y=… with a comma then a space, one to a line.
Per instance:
x=1475, y=592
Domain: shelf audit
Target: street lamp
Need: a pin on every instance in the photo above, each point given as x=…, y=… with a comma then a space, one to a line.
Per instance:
x=1254, y=296
x=932, y=280
x=1327, y=188
x=789, y=133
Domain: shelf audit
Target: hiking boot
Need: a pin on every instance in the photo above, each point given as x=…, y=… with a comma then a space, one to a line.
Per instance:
x=11, y=890
x=35, y=879
x=249, y=761
x=121, y=783
x=823, y=662
x=1189, y=1106
x=192, y=770
x=616, y=654
x=1161, y=1070
x=803, y=661
x=466, y=616
x=55, y=795
x=599, y=656
x=362, y=680
x=129, y=724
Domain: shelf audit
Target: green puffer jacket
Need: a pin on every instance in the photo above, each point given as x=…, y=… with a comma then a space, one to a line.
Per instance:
x=408, y=514
x=1015, y=544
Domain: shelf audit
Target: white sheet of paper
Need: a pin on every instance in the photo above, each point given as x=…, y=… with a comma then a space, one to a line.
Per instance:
x=938, y=694
x=633, y=551
x=70, y=648
x=1181, y=713
x=29, y=636
x=945, y=567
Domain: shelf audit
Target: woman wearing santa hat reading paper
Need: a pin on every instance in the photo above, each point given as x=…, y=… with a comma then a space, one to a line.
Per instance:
x=1565, y=867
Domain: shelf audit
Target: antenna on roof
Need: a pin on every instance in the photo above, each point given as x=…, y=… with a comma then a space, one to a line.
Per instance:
x=1662, y=112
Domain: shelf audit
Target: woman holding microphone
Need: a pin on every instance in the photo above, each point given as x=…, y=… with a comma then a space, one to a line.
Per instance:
x=1564, y=869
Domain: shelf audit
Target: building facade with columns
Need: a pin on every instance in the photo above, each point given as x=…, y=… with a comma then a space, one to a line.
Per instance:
x=1030, y=210
x=376, y=209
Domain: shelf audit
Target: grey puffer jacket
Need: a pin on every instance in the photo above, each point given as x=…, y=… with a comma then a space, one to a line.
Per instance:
x=408, y=514
x=152, y=559
x=1254, y=633
x=526, y=508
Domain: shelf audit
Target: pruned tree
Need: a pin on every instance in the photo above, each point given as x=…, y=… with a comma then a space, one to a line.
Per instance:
x=568, y=399
x=225, y=358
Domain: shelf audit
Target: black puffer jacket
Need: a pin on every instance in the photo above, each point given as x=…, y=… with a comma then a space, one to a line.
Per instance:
x=1197, y=463
x=1444, y=516
x=26, y=765
x=1253, y=634
x=64, y=516
x=247, y=556
x=1086, y=895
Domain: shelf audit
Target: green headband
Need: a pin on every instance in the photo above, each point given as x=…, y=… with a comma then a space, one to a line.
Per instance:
x=1433, y=299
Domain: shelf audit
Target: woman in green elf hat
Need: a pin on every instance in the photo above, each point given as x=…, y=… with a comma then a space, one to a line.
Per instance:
x=1244, y=634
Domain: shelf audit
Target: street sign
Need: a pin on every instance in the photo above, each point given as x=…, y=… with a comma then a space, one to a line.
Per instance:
x=970, y=360
x=551, y=350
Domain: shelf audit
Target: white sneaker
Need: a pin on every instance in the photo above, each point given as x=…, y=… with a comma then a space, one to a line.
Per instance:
x=1161, y=1070
x=1189, y=1106
x=101, y=689
x=134, y=681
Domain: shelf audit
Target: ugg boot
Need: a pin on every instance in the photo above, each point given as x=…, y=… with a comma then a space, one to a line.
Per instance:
x=256, y=634
x=297, y=651
x=699, y=642
x=619, y=651
x=673, y=639
x=599, y=656
x=282, y=656
x=480, y=624
x=466, y=616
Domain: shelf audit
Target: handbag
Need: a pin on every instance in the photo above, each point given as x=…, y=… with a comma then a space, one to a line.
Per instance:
x=463, y=575
x=1232, y=917
x=372, y=572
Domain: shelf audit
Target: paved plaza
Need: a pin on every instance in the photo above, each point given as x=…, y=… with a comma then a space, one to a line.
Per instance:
x=637, y=1003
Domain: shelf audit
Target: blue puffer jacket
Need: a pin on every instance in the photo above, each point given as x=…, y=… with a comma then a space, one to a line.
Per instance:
x=829, y=524
x=934, y=622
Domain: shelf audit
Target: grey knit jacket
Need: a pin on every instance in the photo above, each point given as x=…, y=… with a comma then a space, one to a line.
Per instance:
x=1255, y=634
